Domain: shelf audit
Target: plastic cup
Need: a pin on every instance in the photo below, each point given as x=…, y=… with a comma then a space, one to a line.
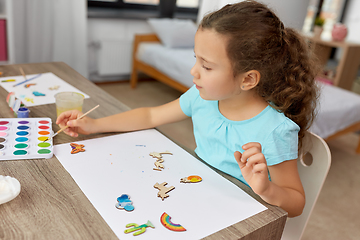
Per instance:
x=66, y=101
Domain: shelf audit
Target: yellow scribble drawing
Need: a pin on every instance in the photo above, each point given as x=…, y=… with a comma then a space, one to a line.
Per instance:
x=29, y=99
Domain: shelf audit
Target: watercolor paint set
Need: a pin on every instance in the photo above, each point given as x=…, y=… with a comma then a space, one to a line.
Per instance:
x=23, y=138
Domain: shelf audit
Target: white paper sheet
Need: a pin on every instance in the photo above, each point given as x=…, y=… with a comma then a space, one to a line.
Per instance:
x=43, y=83
x=121, y=164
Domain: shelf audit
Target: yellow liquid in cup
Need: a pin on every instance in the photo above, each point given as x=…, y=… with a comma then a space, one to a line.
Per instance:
x=66, y=101
x=60, y=110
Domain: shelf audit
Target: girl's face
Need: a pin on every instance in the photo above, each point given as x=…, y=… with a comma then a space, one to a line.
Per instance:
x=213, y=74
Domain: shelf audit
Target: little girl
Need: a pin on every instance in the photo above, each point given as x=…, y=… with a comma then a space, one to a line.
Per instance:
x=252, y=101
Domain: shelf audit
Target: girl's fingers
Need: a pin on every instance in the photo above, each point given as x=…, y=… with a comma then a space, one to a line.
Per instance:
x=252, y=145
x=259, y=168
x=256, y=159
x=238, y=159
x=68, y=115
x=248, y=153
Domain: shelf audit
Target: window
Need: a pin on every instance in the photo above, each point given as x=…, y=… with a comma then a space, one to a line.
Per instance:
x=181, y=5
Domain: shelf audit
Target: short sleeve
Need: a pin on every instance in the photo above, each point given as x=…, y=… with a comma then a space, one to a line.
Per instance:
x=187, y=100
x=282, y=143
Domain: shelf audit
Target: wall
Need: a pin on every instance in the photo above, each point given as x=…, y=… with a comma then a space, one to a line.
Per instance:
x=352, y=21
x=292, y=12
x=118, y=33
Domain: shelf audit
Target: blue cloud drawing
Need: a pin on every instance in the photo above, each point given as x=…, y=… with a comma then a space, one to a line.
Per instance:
x=124, y=203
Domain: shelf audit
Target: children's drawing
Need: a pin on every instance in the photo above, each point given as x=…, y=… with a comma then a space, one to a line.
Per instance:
x=191, y=179
x=163, y=190
x=38, y=94
x=158, y=164
x=140, y=229
x=56, y=87
x=124, y=203
x=165, y=220
x=77, y=148
x=159, y=154
x=46, y=83
x=27, y=99
x=29, y=85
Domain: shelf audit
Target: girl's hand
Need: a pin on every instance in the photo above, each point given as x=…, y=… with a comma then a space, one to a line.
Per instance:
x=253, y=167
x=82, y=126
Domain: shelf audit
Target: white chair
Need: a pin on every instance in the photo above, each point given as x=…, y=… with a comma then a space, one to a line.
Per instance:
x=313, y=168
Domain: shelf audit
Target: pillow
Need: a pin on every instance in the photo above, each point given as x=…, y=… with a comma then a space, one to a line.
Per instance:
x=174, y=33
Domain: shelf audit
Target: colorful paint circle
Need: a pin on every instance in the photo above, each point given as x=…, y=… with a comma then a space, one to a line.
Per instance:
x=21, y=146
x=22, y=139
x=3, y=128
x=44, y=151
x=2, y=146
x=23, y=127
x=22, y=133
x=44, y=122
x=4, y=122
x=20, y=152
x=3, y=134
x=42, y=138
x=2, y=140
x=23, y=122
x=44, y=133
x=44, y=144
x=43, y=127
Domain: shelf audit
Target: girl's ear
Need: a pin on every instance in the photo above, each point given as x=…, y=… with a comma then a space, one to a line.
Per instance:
x=250, y=79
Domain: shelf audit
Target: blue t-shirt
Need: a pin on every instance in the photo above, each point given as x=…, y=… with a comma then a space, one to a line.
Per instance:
x=217, y=138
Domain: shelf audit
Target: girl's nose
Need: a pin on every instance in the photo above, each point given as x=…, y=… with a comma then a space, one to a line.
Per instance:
x=194, y=72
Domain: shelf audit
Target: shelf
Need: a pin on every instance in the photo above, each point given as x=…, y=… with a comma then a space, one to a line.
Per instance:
x=348, y=65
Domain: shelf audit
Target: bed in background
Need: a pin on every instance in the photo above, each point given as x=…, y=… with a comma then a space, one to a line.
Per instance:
x=339, y=109
x=148, y=53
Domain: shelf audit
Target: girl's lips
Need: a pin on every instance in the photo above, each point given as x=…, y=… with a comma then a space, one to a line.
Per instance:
x=198, y=87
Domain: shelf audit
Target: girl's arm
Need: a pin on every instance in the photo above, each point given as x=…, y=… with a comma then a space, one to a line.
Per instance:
x=286, y=182
x=136, y=119
x=285, y=188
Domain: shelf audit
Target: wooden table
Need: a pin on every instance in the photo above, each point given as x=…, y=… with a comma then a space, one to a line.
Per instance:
x=52, y=206
x=347, y=69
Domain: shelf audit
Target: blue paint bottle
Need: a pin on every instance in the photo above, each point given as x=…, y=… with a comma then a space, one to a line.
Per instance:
x=23, y=112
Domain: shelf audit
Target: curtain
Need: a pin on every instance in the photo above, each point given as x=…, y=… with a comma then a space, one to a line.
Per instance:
x=51, y=30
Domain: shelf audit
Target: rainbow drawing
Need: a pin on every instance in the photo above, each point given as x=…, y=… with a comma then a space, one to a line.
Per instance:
x=165, y=220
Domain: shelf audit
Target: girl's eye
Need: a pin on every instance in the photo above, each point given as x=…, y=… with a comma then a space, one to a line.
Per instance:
x=206, y=68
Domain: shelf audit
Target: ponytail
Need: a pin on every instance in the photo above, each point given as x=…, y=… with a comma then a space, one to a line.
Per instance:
x=295, y=93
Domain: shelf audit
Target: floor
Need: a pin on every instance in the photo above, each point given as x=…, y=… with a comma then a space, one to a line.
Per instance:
x=336, y=214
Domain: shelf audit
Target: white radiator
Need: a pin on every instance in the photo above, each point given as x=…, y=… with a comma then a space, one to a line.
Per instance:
x=115, y=57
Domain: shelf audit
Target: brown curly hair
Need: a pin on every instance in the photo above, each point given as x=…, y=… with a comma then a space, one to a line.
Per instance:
x=258, y=40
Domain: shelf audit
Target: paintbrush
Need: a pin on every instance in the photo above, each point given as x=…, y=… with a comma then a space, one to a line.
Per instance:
x=76, y=119
x=22, y=73
x=27, y=80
